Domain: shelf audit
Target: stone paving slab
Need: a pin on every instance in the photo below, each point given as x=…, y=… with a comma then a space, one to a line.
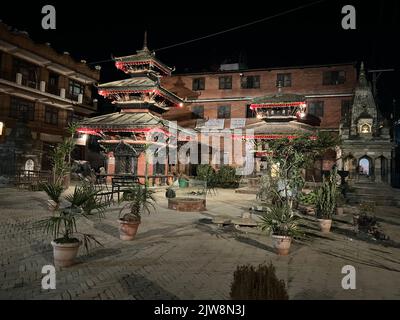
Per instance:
x=180, y=255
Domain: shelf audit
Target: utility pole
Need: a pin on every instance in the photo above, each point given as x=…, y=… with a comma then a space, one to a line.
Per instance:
x=376, y=74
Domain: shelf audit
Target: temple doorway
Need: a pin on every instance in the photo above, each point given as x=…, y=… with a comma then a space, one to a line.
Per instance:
x=365, y=167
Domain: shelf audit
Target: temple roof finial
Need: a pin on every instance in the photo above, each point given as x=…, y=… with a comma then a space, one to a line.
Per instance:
x=362, y=80
x=145, y=41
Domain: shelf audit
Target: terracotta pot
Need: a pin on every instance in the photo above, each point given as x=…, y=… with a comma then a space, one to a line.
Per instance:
x=127, y=230
x=339, y=211
x=282, y=244
x=325, y=225
x=65, y=253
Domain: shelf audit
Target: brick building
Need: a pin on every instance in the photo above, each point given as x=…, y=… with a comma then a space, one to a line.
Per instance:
x=227, y=94
x=41, y=91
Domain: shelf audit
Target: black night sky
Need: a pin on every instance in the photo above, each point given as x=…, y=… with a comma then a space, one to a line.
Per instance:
x=96, y=30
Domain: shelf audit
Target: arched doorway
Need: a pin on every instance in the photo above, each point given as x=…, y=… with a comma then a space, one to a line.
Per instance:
x=365, y=167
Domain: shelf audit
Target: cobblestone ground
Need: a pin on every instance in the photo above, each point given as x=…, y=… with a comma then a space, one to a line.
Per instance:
x=185, y=256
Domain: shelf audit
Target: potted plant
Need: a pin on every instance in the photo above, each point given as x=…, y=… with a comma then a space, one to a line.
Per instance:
x=53, y=191
x=282, y=223
x=170, y=193
x=340, y=202
x=63, y=224
x=139, y=200
x=325, y=201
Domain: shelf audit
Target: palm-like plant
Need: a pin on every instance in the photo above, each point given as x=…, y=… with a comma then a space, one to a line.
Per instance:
x=53, y=190
x=139, y=200
x=63, y=225
x=280, y=221
x=326, y=196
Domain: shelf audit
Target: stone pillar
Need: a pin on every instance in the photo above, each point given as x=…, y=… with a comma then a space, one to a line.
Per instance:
x=339, y=159
x=378, y=170
x=110, y=165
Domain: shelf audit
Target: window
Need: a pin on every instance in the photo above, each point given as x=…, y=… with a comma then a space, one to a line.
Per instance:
x=29, y=73
x=70, y=118
x=316, y=108
x=51, y=115
x=249, y=112
x=225, y=82
x=75, y=88
x=284, y=79
x=224, y=112
x=334, y=77
x=199, y=84
x=345, y=112
x=198, y=111
x=22, y=109
x=53, y=83
x=250, y=82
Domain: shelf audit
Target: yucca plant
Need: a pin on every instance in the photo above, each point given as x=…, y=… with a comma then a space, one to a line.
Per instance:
x=63, y=225
x=280, y=221
x=326, y=196
x=139, y=200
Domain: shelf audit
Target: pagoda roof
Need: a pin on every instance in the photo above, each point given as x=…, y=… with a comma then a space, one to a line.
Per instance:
x=142, y=57
x=280, y=128
x=279, y=99
x=127, y=122
x=137, y=84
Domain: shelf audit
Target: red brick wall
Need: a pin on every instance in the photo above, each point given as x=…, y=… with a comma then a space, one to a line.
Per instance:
x=306, y=80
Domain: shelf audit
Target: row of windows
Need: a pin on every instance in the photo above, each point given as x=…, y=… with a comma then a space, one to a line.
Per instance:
x=315, y=108
x=25, y=110
x=30, y=78
x=282, y=79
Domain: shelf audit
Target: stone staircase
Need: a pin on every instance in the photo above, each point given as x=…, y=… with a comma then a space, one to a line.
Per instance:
x=381, y=194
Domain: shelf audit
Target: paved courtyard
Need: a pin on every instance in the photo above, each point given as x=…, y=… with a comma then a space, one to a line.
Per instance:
x=185, y=256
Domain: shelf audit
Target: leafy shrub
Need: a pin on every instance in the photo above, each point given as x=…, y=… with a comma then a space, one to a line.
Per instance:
x=262, y=283
x=227, y=177
x=170, y=193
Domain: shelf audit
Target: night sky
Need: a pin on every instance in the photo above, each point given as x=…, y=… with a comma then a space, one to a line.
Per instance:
x=95, y=31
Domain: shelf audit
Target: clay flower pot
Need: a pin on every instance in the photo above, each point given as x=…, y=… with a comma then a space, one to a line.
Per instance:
x=282, y=244
x=127, y=229
x=325, y=225
x=65, y=253
x=339, y=211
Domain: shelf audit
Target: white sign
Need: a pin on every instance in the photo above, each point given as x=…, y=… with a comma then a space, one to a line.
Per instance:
x=238, y=123
x=217, y=124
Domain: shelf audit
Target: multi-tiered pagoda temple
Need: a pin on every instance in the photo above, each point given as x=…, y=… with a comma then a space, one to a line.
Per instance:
x=138, y=125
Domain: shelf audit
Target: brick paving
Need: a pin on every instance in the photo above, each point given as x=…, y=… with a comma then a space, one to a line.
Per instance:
x=180, y=255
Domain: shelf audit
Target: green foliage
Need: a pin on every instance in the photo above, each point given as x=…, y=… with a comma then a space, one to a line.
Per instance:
x=308, y=199
x=170, y=193
x=291, y=156
x=262, y=283
x=53, y=191
x=227, y=177
x=139, y=200
x=63, y=225
x=280, y=220
x=326, y=196
x=207, y=173
x=61, y=157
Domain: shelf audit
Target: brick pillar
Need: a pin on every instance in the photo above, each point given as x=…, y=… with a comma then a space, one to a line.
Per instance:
x=110, y=165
